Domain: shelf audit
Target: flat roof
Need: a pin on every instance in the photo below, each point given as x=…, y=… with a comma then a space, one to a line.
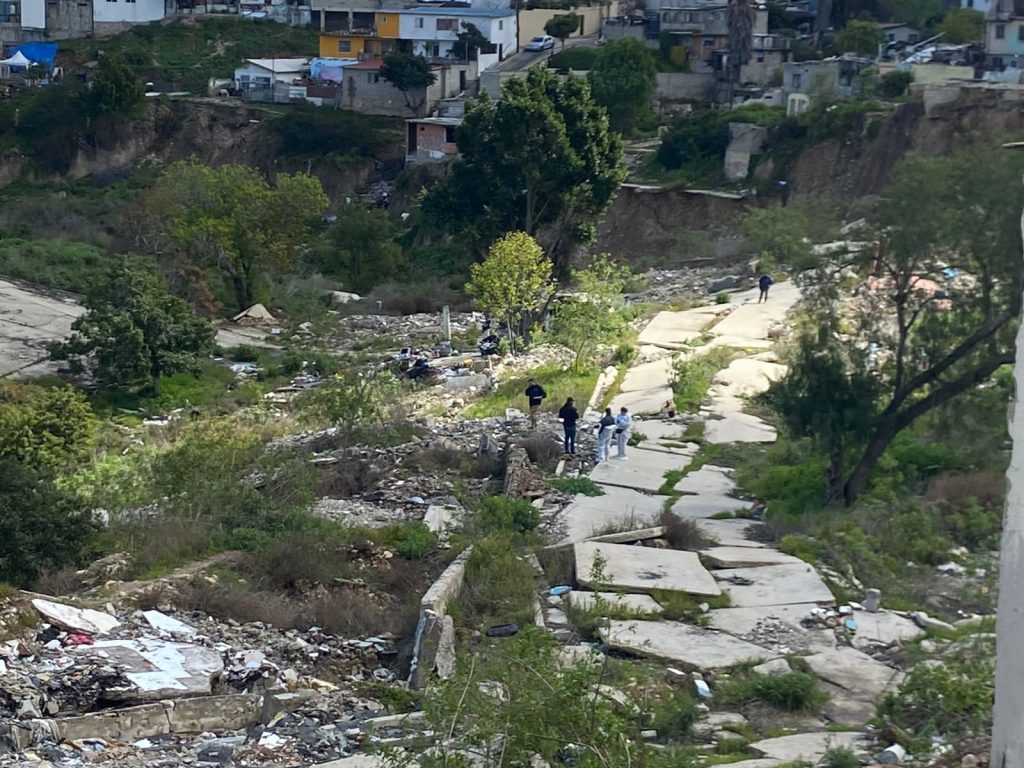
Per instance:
x=489, y=13
x=280, y=65
x=436, y=120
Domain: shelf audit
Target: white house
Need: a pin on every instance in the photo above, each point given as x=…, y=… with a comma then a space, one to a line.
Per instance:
x=253, y=79
x=976, y=5
x=119, y=12
x=433, y=31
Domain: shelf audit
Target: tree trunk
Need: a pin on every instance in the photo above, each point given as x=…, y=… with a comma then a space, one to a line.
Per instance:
x=243, y=292
x=834, y=494
x=858, y=480
x=154, y=376
x=1008, y=713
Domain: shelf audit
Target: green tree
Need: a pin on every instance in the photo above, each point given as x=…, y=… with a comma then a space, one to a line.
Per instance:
x=541, y=160
x=623, y=80
x=561, y=26
x=352, y=401
x=513, y=282
x=45, y=428
x=231, y=220
x=931, y=334
x=740, y=15
x=411, y=75
x=469, y=42
x=783, y=235
x=134, y=331
x=894, y=84
x=41, y=528
x=860, y=36
x=360, y=248
x=115, y=88
x=593, y=317
x=962, y=25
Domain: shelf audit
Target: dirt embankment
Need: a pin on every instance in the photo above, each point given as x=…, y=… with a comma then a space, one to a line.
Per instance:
x=674, y=227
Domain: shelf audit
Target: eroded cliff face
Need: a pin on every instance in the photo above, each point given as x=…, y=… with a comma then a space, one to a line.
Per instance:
x=934, y=121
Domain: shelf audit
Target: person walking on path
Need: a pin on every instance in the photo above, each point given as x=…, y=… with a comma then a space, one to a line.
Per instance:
x=622, y=424
x=764, y=283
x=605, y=428
x=535, y=395
x=569, y=416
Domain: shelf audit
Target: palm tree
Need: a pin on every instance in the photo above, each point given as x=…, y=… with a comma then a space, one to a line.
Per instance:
x=741, y=29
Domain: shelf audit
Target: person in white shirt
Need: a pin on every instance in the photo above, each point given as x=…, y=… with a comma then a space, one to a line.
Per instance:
x=622, y=424
x=605, y=429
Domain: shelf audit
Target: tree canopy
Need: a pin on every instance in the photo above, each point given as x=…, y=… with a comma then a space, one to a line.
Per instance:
x=541, y=160
x=513, y=282
x=134, y=331
x=962, y=25
x=584, y=321
x=561, y=26
x=230, y=220
x=115, y=88
x=933, y=315
x=860, y=36
x=360, y=248
x=623, y=79
x=411, y=74
x=469, y=42
x=44, y=427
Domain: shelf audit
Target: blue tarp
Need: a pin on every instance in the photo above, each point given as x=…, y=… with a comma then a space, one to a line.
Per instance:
x=38, y=53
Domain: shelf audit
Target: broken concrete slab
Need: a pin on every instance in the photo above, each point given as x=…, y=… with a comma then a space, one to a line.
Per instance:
x=643, y=569
x=746, y=557
x=841, y=707
x=586, y=515
x=642, y=470
x=673, y=330
x=750, y=321
x=736, y=427
x=701, y=507
x=158, y=669
x=636, y=604
x=356, y=761
x=810, y=747
x=72, y=619
x=628, y=537
x=685, y=645
x=885, y=627
x=855, y=672
x=745, y=377
x=784, y=621
x=430, y=630
x=772, y=585
x=708, y=480
x=758, y=762
x=168, y=624
x=730, y=533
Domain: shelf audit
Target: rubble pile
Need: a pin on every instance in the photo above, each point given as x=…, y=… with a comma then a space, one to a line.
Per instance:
x=696, y=282
x=165, y=688
x=424, y=327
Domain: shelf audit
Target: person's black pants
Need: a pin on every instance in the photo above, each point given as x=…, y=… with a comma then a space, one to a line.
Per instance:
x=570, y=439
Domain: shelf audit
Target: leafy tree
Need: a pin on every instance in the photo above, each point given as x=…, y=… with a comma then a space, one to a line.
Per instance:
x=231, y=220
x=894, y=84
x=595, y=316
x=41, y=528
x=860, y=36
x=740, y=15
x=783, y=234
x=929, y=334
x=411, y=75
x=352, y=401
x=541, y=160
x=115, y=89
x=134, y=331
x=962, y=25
x=469, y=42
x=513, y=282
x=623, y=80
x=44, y=427
x=561, y=26
x=360, y=247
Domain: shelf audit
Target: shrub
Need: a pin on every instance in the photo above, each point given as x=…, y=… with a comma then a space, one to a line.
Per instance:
x=500, y=514
x=413, y=542
x=691, y=377
x=346, y=478
x=44, y=427
x=681, y=533
x=792, y=692
x=839, y=757
x=722, y=297
x=673, y=716
x=805, y=548
x=500, y=586
x=577, y=485
x=894, y=84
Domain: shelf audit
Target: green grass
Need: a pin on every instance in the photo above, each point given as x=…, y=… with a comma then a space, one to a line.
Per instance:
x=839, y=757
x=66, y=266
x=679, y=606
x=793, y=692
x=558, y=382
x=575, y=485
x=615, y=386
x=691, y=377
x=190, y=52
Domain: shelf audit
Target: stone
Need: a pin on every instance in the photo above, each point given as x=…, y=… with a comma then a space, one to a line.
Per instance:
x=772, y=585
x=885, y=627
x=169, y=624
x=587, y=514
x=855, y=672
x=156, y=668
x=73, y=619
x=275, y=703
x=723, y=283
x=925, y=621
x=644, y=569
x=637, y=604
x=444, y=660
x=809, y=747
x=773, y=667
x=687, y=646
x=746, y=557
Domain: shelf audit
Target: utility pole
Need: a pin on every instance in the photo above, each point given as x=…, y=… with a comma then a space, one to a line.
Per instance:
x=1008, y=713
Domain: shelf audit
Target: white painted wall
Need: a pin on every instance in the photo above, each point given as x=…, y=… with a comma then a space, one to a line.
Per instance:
x=122, y=11
x=33, y=14
x=423, y=30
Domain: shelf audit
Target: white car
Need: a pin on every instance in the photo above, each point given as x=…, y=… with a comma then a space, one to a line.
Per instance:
x=541, y=43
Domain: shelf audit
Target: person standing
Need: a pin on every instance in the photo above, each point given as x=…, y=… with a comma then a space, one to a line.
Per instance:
x=764, y=283
x=622, y=424
x=605, y=429
x=535, y=395
x=569, y=416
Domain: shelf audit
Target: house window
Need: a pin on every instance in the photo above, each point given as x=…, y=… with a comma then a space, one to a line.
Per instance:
x=419, y=23
x=372, y=77
x=501, y=24
x=797, y=79
x=447, y=25
x=709, y=42
x=344, y=46
x=1000, y=31
x=8, y=13
x=1020, y=34
x=970, y=3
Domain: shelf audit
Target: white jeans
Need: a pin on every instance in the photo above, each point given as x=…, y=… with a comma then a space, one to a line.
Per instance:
x=620, y=442
x=604, y=439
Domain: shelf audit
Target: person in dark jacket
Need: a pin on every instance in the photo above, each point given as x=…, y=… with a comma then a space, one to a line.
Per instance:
x=535, y=395
x=764, y=283
x=605, y=430
x=569, y=416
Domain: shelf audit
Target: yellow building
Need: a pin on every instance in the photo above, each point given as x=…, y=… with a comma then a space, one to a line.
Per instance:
x=355, y=34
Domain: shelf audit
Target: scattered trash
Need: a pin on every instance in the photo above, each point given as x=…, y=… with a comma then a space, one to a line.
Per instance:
x=702, y=689
x=559, y=591
x=872, y=602
x=502, y=630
